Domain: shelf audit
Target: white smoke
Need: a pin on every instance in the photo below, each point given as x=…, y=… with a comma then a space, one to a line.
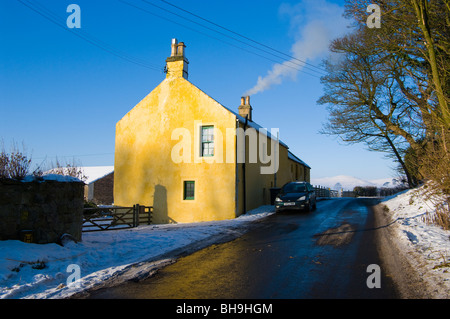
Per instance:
x=314, y=23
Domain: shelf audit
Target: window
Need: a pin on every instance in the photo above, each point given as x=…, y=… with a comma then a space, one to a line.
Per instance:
x=207, y=141
x=189, y=190
x=294, y=188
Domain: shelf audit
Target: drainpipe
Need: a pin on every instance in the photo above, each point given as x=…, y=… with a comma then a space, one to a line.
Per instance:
x=243, y=166
x=275, y=158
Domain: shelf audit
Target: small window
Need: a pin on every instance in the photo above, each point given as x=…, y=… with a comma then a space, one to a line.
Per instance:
x=207, y=141
x=189, y=190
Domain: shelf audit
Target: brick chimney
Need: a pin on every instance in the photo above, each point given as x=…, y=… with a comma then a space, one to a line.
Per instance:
x=177, y=64
x=245, y=108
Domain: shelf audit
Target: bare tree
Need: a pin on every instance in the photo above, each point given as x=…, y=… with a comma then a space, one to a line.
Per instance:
x=15, y=164
x=365, y=102
x=390, y=88
x=68, y=169
x=417, y=32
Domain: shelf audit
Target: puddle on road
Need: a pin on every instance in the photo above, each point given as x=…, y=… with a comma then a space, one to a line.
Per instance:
x=339, y=236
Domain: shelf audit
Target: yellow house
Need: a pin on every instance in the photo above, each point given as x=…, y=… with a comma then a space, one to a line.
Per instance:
x=192, y=158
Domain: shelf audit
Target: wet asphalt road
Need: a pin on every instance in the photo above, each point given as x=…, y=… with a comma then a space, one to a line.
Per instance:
x=287, y=256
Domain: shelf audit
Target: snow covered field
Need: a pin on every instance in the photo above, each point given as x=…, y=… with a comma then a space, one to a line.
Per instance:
x=348, y=183
x=427, y=246
x=49, y=271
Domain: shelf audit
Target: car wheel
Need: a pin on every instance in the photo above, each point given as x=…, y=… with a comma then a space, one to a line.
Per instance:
x=309, y=207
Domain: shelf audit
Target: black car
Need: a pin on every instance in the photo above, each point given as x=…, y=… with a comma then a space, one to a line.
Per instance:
x=296, y=195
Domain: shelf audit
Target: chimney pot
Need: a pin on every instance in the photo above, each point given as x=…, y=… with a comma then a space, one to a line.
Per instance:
x=245, y=109
x=180, y=50
x=174, y=47
x=177, y=64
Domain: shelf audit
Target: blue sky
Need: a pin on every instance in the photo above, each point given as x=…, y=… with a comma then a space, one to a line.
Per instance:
x=61, y=96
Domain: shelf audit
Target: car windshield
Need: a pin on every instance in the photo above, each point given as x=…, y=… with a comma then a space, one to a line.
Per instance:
x=294, y=188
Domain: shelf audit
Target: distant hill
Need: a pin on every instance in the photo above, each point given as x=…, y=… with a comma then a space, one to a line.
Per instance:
x=349, y=182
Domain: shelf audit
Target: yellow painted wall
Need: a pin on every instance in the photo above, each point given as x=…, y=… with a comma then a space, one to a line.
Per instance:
x=298, y=171
x=145, y=172
x=258, y=185
x=168, y=122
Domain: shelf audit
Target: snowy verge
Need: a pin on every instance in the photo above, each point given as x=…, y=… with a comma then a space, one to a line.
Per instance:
x=427, y=247
x=32, y=271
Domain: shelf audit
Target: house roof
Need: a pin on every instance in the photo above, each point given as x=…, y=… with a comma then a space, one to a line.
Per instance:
x=265, y=131
x=291, y=156
x=94, y=173
x=256, y=126
x=241, y=119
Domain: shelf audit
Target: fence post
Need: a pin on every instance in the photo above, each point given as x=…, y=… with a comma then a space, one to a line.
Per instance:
x=136, y=215
x=140, y=211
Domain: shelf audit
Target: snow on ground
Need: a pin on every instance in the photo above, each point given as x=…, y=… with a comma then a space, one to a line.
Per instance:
x=429, y=245
x=46, y=271
x=49, y=271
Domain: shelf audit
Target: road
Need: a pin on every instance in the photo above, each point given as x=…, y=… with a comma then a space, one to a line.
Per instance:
x=321, y=254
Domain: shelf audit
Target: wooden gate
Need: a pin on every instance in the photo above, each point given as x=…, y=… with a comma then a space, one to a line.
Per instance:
x=116, y=217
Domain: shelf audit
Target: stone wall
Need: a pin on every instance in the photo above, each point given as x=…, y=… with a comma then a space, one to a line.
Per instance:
x=41, y=211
